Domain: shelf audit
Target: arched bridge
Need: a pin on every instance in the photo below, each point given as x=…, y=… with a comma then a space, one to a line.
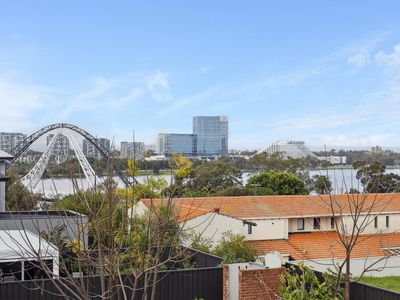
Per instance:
x=24, y=145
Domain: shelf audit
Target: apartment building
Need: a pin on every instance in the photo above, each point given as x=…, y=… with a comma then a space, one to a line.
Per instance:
x=8, y=140
x=60, y=149
x=133, y=150
x=89, y=150
x=297, y=227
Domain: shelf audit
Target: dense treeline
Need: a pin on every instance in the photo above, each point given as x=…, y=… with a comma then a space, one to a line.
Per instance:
x=387, y=157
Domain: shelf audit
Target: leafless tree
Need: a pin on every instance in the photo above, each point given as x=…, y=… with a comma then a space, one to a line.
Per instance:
x=354, y=215
x=124, y=252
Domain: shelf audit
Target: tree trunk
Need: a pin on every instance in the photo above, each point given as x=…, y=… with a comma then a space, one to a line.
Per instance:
x=347, y=280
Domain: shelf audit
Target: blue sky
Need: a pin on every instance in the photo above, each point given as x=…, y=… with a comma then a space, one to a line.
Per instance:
x=327, y=72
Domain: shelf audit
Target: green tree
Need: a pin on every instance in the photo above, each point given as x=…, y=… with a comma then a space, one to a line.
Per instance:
x=303, y=284
x=321, y=184
x=200, y=243
x=374, y=179
x=18, y=197
x=211, y=177
x=277, y=183
x=234, y=249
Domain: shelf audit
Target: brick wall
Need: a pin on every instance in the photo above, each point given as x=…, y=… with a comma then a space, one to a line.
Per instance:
x=259, y=284
x=225, y=278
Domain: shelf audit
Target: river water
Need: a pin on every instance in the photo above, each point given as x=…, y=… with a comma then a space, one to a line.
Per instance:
x=342, y=180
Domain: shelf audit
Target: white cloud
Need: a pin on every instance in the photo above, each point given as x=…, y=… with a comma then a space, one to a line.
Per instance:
x=20, y=102
x=360, y=60
x=158, y=86
x=106, y=93
x=178, y=104
x=389, y=60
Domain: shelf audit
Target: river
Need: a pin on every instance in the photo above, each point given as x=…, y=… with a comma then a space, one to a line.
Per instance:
x=342, y=180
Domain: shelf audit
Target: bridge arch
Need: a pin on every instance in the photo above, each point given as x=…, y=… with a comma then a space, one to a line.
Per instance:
x=19, y=149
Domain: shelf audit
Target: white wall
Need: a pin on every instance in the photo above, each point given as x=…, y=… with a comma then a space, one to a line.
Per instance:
x=211, y=226
x=269, y=229
x=394, y=223
x=325, y=223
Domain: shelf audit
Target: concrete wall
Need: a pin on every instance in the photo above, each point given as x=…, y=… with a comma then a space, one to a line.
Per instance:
x=250, y=281
x=381, y=266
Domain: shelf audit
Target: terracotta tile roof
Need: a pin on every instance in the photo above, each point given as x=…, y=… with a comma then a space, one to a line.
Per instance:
x=318, y=245
x=248, y=207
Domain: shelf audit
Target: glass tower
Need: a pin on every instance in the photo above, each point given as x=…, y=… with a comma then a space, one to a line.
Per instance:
x=212, y=135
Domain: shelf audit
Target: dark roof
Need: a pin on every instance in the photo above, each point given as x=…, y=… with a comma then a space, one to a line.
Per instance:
x=8, y=215
x=5, y=155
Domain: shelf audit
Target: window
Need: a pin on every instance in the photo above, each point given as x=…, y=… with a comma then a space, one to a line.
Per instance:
x=300, y=224
x=249, y=229
x=376, y=222
x=317, y=223
x=387, y=221
x=332, y=223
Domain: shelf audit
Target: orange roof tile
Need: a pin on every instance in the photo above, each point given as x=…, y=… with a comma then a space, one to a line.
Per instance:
x=319, y=245
x=248, y=207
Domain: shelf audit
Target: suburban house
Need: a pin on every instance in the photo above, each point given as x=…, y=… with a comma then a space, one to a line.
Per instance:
x=296, y=227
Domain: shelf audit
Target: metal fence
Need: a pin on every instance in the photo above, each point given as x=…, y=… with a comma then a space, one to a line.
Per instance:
x=204, y=283
x=364, y=291
x=361, y=291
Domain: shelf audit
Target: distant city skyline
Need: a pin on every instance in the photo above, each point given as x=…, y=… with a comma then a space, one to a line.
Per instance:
x=325, y=73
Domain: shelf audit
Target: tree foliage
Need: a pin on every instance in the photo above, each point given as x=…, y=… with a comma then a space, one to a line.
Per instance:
x=277, y=183
x=18, y=197
x=303, y=284
x=212, y=177
x=374, y=178
x=321, y=184
x=234, y=249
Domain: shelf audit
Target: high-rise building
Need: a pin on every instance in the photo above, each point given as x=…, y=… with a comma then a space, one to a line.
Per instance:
x=60, y=149
x=212, y=135
x=177, y=143
x=134, y=150
x=8, y=140
x=293, y=149
x=89, y=150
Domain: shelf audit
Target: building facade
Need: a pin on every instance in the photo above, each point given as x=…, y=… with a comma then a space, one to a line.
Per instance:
x=89, y=150
x=177, y=143
x=8, y=140
x=133, y=150
x=212, y=135
x=293, y=149
x=60, y=149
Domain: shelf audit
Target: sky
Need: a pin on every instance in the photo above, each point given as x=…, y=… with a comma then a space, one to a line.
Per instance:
x=326, y=72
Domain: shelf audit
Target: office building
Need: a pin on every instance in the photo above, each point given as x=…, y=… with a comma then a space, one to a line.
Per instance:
x=8, y=140
x=334, y=159
x=60, y=149
x=177, y=143
x=212, y=135
x=293, y=149
x=133, y=150
x=89, y=150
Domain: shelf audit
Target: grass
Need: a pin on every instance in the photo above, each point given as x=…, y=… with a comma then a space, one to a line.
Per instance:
x=389, y=282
